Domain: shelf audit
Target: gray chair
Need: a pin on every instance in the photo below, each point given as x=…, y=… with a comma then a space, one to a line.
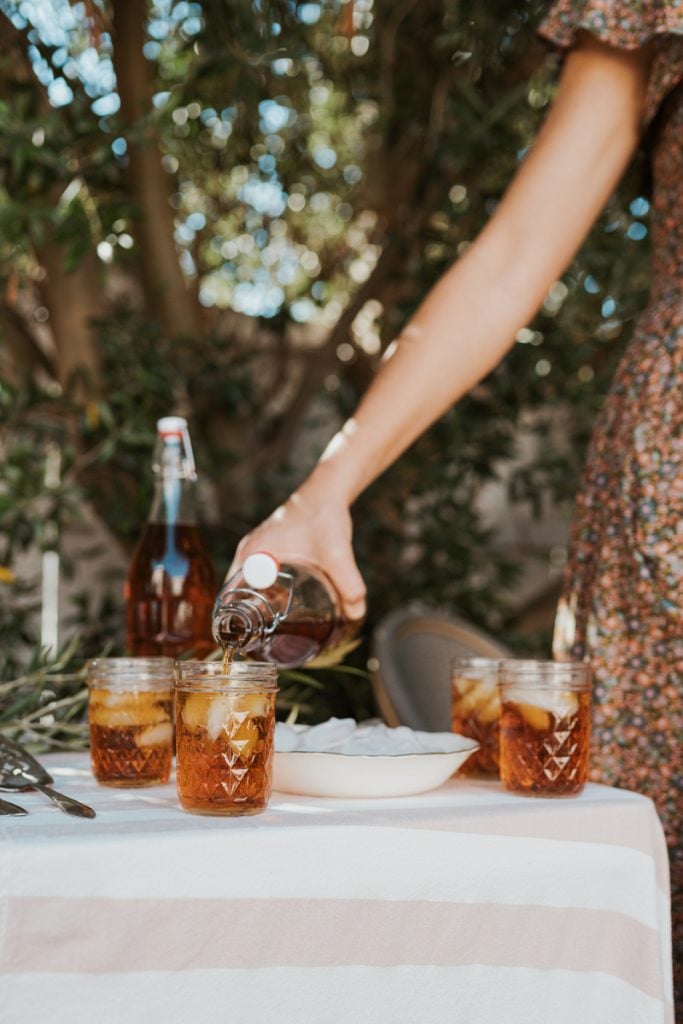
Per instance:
x=414, y=647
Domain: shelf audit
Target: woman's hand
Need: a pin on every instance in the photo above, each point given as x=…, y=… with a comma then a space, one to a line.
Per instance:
x=315, y=530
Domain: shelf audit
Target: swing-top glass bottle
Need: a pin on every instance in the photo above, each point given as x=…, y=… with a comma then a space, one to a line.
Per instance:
x=283, y=614
x=171, y=581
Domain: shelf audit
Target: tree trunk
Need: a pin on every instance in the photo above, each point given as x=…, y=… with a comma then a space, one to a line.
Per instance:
x=21, y=355
x=73, y=299
x=169, y=297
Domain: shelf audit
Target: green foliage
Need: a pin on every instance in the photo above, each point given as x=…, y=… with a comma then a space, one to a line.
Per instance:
x=33, y=507
x=45, y=705
x=363, y=148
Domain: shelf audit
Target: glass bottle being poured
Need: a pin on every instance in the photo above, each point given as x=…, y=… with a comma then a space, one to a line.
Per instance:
x=171, y=581
x=285, y=615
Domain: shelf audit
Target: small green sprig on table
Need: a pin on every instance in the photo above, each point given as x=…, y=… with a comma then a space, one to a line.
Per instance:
x=44, y=707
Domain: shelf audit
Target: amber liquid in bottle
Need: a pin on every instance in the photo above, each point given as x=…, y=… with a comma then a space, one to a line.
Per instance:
x=171, y=581
x=295, y=641
x=166, y=614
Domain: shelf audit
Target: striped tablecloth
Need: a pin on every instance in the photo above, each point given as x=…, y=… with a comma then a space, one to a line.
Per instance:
x=465, y=905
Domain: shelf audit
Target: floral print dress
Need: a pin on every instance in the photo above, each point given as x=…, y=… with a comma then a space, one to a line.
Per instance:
x=623, y=596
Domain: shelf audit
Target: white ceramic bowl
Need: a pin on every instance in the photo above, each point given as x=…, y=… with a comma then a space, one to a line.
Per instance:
x=312, y=773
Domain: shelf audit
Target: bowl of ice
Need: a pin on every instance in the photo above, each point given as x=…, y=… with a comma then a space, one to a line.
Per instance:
x=340, y=758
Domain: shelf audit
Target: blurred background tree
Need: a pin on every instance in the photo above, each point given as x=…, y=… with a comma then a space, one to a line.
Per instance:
x=227, y=210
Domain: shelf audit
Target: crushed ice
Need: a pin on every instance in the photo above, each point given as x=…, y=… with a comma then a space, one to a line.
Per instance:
x=346, y=736
x=558, y=702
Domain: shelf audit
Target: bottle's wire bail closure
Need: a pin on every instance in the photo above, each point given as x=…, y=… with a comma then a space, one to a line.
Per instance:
x=251, y=600
x=176, y=427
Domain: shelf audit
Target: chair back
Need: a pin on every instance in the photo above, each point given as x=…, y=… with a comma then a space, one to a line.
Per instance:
x=414, y=647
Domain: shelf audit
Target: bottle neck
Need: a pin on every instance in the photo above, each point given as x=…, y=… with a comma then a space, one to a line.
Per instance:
x=241, y=620
x=173, y=502
x=174, y=498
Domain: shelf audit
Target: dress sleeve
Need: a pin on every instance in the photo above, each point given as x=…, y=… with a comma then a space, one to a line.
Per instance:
x=628, y=25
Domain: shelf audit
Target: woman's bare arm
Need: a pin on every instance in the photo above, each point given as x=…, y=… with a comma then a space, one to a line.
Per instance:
x=470, y=318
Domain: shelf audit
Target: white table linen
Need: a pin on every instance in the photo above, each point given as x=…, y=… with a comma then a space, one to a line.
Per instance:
x=466, y=904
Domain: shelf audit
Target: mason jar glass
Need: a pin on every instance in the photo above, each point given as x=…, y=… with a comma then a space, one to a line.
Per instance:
x=193, y=667
x=475, y=710
x=544, y=726
x=130, y=712
x=225, y=731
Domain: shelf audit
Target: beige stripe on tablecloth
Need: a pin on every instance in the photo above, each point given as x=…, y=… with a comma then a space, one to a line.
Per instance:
x=108, y=935
x=613, y=825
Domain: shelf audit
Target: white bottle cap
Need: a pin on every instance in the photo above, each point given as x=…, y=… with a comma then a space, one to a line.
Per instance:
x=260, y=570
x=176, y=427
x=172, y=425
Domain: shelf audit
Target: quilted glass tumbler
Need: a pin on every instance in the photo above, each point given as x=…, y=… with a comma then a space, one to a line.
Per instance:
x=130, y=711
x=475, y=710
x=225, y=730
x=544, y=727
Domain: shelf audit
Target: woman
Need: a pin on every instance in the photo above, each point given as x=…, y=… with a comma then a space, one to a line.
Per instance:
x=623, y=600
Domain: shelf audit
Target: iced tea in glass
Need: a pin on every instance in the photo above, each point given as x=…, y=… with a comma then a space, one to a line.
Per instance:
x=130, y=711
x=475, y=710
x=544, y=727
x=225, y=730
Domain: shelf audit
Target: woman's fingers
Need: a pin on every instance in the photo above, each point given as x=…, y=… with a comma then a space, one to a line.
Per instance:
x=342, y=569
x=299, y=531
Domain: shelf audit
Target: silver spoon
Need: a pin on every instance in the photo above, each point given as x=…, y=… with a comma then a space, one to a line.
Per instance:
x=20, y=783
x=19, y=770
x=8, y=808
